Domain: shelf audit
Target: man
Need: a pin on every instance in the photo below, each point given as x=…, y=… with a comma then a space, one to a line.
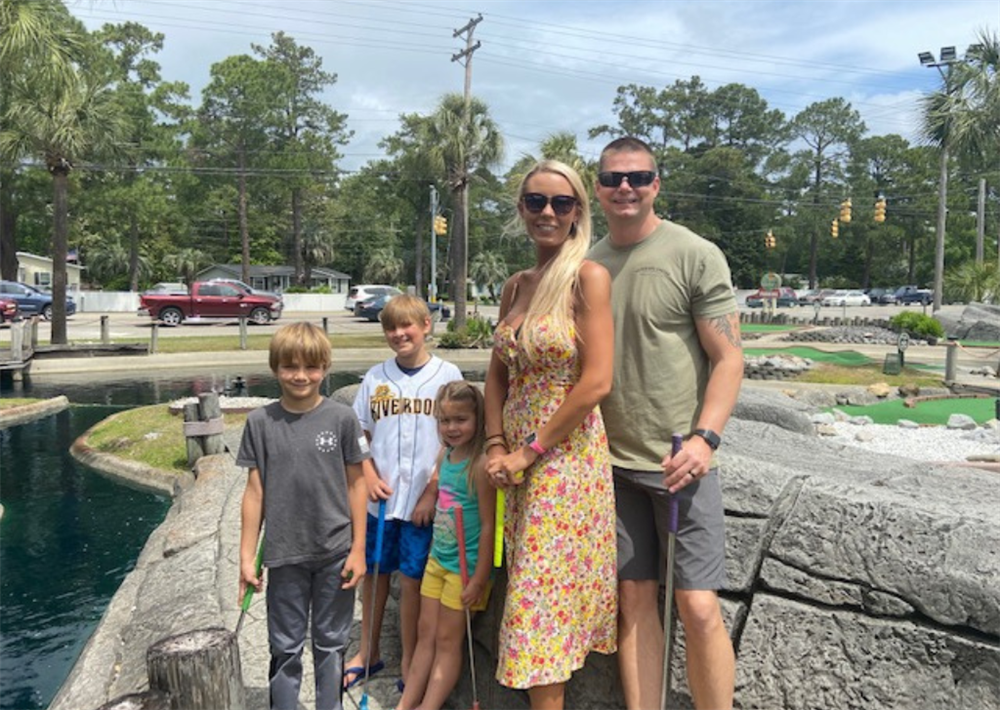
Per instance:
x=678, y=368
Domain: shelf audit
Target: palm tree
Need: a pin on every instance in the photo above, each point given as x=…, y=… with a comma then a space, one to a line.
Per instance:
x=489, y=268
x=187, y=263
x=40, y=40
x=61, y=122
x=107, y=260
x=383, y=266
x=963, y=119
x=461, y=139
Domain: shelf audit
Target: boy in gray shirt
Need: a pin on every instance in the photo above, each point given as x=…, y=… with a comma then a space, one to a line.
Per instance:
x=304, y=453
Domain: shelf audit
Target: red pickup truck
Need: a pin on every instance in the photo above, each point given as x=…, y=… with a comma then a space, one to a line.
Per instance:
x=214, y=300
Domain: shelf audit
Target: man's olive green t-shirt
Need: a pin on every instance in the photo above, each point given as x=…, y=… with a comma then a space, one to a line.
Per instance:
x=660, y=286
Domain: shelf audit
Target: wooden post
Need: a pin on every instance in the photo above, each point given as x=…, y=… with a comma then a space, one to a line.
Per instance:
x=150, y=700
x=105, y=334
x=34, y=332
x=326, y=325
x=243, y=333
x=950, y=362
x=195, y=449
x=17, y=342
x=209, y=409
x=154, y=336
x=200, y=669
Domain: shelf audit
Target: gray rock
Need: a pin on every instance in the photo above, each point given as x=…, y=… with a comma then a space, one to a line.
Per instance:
x=961, y=421
x=773, y=408
x=907, y=424
x=865, y=435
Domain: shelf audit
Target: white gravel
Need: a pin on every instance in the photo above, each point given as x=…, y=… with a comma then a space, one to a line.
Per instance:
x=928, y=443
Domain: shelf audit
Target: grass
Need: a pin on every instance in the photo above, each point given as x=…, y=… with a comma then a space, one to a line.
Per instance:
x=766, y=327
x=845, y=358
x=10, y=402
x=935, y=411
x=979, y=344
x=863, y=375
x=128, y=435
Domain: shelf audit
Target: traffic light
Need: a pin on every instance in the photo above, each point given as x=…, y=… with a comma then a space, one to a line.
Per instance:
x=440, y=225
x=880, y=209
x=834, y=229
x=769, y=241
x=845, y=211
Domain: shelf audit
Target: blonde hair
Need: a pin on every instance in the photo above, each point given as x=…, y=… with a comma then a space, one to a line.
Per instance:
x=302, y=342
x=404, y=309
x=462, y=392
x=557, y=288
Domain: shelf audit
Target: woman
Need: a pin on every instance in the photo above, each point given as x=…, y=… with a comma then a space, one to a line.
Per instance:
x=551, y=366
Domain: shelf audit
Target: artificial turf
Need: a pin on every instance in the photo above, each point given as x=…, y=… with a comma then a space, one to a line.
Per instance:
x=932, y=411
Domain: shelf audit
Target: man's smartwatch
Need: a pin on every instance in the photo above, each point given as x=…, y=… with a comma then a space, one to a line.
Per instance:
x=709, y=436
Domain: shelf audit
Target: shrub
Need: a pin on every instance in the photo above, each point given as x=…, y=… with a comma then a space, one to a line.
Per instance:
x=477, y=333
x=917, y=324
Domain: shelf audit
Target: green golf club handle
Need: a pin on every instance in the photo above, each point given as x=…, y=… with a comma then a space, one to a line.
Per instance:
x=259, y=566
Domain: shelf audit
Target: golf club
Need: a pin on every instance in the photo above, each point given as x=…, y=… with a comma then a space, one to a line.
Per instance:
x=676, y=442
x=248, y=595
x=463, y=566
x=379, y=532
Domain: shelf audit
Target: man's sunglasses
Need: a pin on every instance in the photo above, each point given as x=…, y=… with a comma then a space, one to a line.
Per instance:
x=636, y=178
x=535, y=202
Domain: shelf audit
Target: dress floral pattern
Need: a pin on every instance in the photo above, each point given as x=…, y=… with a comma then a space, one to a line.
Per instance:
x=560, y=543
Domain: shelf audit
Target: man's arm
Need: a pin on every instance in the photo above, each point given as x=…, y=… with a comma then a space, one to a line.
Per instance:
x=720, y=339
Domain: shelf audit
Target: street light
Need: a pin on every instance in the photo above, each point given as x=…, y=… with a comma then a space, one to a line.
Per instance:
x=948, y=57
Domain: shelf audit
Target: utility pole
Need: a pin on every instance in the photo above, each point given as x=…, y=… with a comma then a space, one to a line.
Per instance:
x=432, y=290
x=461, y=253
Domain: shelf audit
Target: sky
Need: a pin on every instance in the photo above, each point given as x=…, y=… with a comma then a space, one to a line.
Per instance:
x=551, y=66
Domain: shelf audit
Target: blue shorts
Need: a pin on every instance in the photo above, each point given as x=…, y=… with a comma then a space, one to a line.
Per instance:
x=405, y=547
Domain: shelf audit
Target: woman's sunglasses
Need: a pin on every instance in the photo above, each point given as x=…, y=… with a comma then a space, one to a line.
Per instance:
x=535, y=202
x=636, y=178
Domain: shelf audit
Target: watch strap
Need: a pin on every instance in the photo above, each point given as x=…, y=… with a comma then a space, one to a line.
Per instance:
x=709, y=436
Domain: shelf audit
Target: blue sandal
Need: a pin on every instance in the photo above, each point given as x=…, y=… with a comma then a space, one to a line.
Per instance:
x=359, y=673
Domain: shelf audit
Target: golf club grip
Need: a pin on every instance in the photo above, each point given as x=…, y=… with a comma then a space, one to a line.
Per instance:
x=380, y=530
x=676, y=442
x=463, y=563
x=259, y=565
x=498, y=529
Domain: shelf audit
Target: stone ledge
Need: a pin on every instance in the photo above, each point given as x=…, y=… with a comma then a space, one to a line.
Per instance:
x=12, y=416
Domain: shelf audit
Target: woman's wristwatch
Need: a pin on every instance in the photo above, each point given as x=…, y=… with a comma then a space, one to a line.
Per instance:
x=532, y=443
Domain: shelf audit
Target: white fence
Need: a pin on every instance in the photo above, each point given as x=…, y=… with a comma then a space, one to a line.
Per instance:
x=128, y=302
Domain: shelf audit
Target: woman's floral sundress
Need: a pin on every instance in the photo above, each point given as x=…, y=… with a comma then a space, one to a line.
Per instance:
x=560, y=539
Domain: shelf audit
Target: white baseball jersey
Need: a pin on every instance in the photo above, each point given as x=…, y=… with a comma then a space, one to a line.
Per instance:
x=397, y=411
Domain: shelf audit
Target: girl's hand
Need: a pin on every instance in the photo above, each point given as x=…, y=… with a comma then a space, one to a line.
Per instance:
x=473, y=591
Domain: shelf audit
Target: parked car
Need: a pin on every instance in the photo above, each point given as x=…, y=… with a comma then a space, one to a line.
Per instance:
x=210, y=300
x=372, y=308
x=786, y=298
x=882, y=295
x=847, y=298
x=8, y=310
x=365, y=292
x=31, y=300
x=913, y=294
x=814, y=296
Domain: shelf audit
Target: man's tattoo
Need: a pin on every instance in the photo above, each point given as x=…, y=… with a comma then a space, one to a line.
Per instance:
x=729, y=326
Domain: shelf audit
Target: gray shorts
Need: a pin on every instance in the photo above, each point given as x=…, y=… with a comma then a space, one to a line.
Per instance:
x=641, y=501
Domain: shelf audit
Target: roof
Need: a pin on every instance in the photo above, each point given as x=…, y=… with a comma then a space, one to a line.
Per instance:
x=273, y=270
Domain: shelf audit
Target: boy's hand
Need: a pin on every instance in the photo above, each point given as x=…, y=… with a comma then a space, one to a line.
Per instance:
x=423, y=511
x=473, y=591
x=377, y=488
x=249, y=578
x=354, y=570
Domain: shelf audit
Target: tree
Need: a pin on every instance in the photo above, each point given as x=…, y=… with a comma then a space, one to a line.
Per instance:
x=187, y=263
x=383, y=266
x=40, y=40
x=489, y=268
x=305, y=131
x=458, y=145
x=61, y=121
x=828, y=128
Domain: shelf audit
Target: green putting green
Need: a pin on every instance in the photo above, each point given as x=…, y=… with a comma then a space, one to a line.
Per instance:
x=933, y=411
x=766, y=327
x=847, y=358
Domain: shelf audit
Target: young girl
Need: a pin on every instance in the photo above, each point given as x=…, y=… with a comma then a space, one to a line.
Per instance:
x=460, y=472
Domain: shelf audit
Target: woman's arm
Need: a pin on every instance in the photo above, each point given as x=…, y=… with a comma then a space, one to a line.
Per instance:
x=595, y=344
x=496, y=382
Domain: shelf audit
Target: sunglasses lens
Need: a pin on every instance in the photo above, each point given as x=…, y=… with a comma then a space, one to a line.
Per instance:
x=533, y=202
x=610, y=179
x=563, y=204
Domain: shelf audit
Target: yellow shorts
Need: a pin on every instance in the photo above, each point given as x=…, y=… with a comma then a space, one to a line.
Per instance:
x=445, y=586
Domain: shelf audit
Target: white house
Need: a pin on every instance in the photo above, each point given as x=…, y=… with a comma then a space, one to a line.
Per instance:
x=277, y=278
x=36, y=270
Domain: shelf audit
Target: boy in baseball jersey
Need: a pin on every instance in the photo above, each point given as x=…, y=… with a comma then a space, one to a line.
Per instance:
x=395, y=404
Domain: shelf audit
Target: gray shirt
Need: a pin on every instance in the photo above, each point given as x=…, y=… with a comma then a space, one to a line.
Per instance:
x=302, y=459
